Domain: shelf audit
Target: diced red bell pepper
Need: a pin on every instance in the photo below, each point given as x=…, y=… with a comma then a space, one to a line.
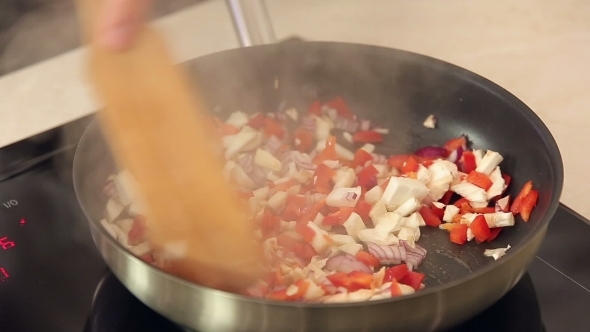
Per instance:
x=438, y=211
x=410, y=165
x=279, y=295
x=395, y=273
x=528, y=203
x=304, y=250
x=359, y=280
x=257, y=121
x=481, y=230
x=323, y=177
x=341, y=107
x=446, y=199
x=384, y=184
x=138, y=232
x=303, y=139
x=309, y=213
x=315, y=108
x=461, y=201
x=292, y=210
x=469, y=163
x=458, y=233
x=272, y=127
x=305, y=231
x=517, y=203
x=413, y=279
x=507, y=179
x=283, y=186
x=361, y=157
x=339, y=279
x=479, y=179
x=368, y=259
x=367, y=177
x=363, y=208
x=286, y=241
x=429, y=217
x=398, y=161
x=367, y=137
x=466, y=208
x=329, y=152
x=270, y=224
x=494, y=232
x=395, y=289
x=339, y=217
x=454, y=143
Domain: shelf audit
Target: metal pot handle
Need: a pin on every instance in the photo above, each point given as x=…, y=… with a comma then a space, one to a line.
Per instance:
x=251, y=22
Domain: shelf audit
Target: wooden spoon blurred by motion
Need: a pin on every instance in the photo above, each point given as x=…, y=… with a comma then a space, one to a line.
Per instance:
x=156, y=128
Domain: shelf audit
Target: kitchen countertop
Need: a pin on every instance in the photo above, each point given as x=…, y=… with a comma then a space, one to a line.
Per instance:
x=538, y=50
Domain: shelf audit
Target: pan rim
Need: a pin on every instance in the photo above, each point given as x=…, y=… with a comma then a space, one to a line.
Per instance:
x=427, y=61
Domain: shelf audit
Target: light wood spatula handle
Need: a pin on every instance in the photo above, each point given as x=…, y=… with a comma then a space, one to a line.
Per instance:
x=155, y=126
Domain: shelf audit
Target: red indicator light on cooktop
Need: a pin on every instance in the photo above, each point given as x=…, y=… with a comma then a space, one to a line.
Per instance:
x=5, y=243
x=3, y=274
x=23, y=221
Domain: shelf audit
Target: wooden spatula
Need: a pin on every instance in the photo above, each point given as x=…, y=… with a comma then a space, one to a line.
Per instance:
x=155, y=126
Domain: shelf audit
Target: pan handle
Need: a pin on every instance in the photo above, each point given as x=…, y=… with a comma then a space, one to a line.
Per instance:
x=251, y=22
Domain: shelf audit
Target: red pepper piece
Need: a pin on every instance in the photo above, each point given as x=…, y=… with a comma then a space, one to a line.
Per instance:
x=458, y=233
x=339, y=279
x=398, y=161
x=272, y=127
x=494, y=232
x=257, y=121
x=329, y=153
x=361, y=157
x=315, y=108
x=367, y=137
x=304, y=250
x=460, y=202
x=446, y=199
x=323, y=177
x=368, y=259
x=507, y=178
x=305, y=231
x=466, y=208
x=395, y=273
x=339, y=217
x=413, y=279
x=359, y=280
x=303, y=139
x=270, y=224
x=481, y=230
x=438, y=211
x=481, y=180
x=469, y=163
x=363, y=208
x=312, y=211
x=526, y=189
x=341, y=107
x=367, y=177
x=528, y=203
x=454, y=143
x=429, y=217
x=411, y=165
x=286, y=241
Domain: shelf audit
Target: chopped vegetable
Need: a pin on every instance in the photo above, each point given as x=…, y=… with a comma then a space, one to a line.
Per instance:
x=496, y=253
x=430, y=122
x=339, y=224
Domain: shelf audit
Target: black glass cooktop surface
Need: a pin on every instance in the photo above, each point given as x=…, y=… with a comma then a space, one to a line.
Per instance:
x=53, y=279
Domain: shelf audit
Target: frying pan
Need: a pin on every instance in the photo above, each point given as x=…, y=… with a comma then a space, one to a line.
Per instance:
x=397, y=89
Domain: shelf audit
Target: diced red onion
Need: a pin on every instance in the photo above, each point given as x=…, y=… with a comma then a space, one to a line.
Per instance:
x=346, y=263
x=246, y=161
x=365, y=125
x=396, y=254
x=379, y=159
x=273, y=144
x=308, y=123
x=431, y=152
x=301, y=160
x=456, y=155
x=346, y=124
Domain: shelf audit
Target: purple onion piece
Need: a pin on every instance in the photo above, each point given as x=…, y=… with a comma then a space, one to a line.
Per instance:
x=456, y=155
x=246, y=161
x=346, y=263
x=431, y=152
x=272, y=145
